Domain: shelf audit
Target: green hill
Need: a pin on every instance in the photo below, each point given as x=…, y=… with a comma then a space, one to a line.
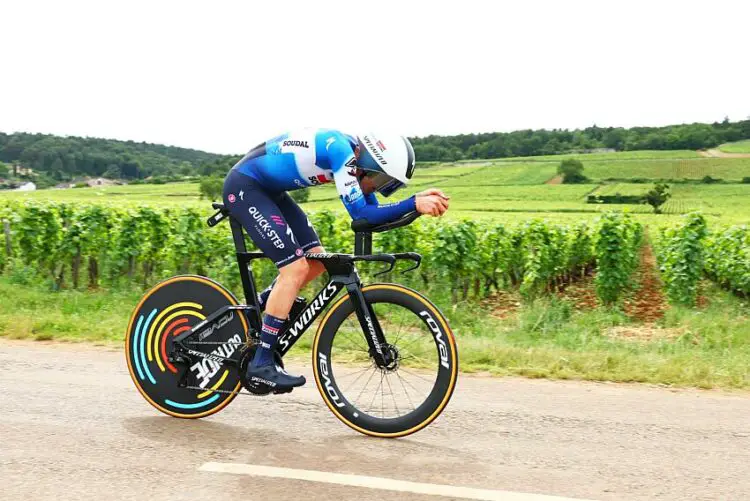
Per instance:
x=55, y=158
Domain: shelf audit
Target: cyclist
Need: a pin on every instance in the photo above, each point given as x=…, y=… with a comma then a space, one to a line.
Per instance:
x=255, y=192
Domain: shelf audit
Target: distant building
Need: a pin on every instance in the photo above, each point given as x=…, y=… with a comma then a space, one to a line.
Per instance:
x=27, y=187
x=22, y=171
x=100, y=181
x=93, y=183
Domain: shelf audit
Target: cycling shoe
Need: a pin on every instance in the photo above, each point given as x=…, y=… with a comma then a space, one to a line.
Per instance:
x=274, y=377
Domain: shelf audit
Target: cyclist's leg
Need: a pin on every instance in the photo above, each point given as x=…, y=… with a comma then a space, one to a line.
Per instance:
x=303, y=231
x=264, y=222
x=305, y=236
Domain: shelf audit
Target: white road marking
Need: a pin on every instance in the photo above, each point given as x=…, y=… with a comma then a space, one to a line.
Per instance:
x=387, y=484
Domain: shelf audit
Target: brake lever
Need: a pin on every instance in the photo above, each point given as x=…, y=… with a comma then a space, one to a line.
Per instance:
x=390, y=268
x=412, y=256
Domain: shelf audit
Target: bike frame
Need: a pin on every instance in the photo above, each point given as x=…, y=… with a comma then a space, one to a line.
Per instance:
x=343, y=274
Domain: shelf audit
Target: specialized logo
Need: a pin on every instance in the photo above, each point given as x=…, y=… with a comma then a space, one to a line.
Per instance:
x=373, y=335
x=320, y=255
x=256, y=379
x=217, y=325
x=329, y=142
x=299, y=144
x=265, y=227
x=376, y=152
x=442, y=348
x=323, y=364
x=310, y=313
x=242, y=195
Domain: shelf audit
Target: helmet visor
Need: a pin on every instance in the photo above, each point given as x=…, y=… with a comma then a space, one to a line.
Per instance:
x=383, y=183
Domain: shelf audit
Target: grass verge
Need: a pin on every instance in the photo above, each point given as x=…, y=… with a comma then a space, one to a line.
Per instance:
x=550, y=338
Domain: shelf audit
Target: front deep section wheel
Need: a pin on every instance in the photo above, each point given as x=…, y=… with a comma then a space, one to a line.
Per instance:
x=409, y=392
x=169, y=309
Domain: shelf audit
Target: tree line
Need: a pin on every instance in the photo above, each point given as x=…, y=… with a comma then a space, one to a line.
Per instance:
x=524, y=143
x=54, y=158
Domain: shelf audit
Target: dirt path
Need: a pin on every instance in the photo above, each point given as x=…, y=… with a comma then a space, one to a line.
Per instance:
x=649, y=303
x=554, y=180
x=714, y=153
x=73, y=427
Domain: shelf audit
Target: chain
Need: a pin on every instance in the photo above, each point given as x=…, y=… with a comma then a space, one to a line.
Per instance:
x=220, y=342
x=226, y=392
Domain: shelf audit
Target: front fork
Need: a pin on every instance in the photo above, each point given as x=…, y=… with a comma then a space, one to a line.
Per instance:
x=371, y=328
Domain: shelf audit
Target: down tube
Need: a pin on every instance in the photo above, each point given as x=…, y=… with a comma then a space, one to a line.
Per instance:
x=308, y=316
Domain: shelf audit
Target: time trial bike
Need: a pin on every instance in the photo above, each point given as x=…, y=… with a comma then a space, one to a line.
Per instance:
x=384, y=358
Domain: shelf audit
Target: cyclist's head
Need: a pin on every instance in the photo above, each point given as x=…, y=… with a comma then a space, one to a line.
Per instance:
x=387, y=159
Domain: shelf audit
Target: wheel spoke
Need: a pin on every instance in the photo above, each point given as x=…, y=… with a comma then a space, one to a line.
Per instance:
x=348, y=337
x=375, y=394
x=416, y=375
x=398, y=332
x=416, y=338
x=412, y=386
x=382, y=395
x=395, y=404
x=365, y=386
x=415, y=357
x=401, y=380
x=355, y=372
x=358, y=378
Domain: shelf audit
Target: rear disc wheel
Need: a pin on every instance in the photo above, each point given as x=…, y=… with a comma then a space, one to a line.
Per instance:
x=171, y=308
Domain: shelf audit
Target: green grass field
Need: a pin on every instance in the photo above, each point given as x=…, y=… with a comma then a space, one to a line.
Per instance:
x=730, y=169
x=622, y=189
x=509, y=189
x=737, y=147
x=548, y=338
x=615, y=155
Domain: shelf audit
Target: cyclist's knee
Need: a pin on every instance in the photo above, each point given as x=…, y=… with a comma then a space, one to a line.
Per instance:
x=295, y=272
x=316, y=266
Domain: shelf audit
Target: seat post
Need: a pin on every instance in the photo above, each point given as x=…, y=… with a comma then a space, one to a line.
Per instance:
x=248, y=284
x=362, y=243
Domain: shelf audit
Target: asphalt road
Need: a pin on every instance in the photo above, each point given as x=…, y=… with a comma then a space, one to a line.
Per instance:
x=74, y=427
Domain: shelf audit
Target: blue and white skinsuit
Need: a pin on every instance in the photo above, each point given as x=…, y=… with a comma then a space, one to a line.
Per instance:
x=255, y=190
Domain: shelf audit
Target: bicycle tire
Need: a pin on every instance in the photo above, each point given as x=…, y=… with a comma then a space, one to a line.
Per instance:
x=446, y=354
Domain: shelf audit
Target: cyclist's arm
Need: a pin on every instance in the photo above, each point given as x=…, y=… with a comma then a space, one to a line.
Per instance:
x=371, y=199
x=361, y=206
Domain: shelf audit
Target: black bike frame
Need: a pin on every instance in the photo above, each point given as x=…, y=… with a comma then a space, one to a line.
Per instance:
x=343, y=274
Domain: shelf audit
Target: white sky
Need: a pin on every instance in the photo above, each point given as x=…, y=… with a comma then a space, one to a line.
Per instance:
x=223, y=76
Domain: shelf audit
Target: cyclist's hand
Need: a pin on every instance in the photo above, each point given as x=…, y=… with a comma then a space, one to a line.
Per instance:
x=433, y=205
x=433, y=191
